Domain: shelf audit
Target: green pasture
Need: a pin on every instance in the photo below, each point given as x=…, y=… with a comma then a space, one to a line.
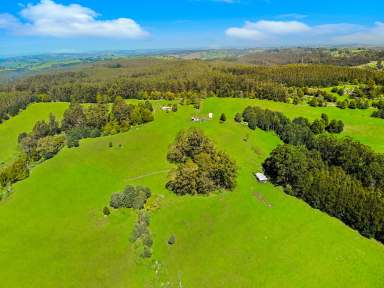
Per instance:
x=53, y=232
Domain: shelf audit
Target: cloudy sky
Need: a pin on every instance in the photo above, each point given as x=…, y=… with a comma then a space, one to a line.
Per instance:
x=39, y=26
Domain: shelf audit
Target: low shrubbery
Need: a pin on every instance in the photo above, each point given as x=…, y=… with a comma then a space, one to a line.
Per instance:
x=201, y=169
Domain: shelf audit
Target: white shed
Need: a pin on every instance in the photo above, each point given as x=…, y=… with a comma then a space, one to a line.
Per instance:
x=261, y=177
x=210, y=115
x=166, y=108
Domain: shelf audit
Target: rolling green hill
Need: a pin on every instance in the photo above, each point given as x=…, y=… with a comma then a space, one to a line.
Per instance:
x=54, y=233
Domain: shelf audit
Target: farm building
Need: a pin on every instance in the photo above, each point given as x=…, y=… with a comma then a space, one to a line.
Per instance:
x=261, y=177
x=166, y=108
x=210, y=115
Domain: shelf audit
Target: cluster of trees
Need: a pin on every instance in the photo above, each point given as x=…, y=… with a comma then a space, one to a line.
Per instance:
x=298, y=131
x=304, y=174
x=201, y=169
x=44, y=141
x=353, y=104
x=131, y=197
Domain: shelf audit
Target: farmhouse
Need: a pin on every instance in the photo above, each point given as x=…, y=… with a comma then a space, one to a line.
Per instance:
x=261, y=177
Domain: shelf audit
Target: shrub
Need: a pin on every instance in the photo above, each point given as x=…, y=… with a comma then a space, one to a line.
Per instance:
x=223, y=118
x=147, y=253
x=172, y=240
x=378, y=114
x=238, y=117
x=106, y=211
x=49, y=146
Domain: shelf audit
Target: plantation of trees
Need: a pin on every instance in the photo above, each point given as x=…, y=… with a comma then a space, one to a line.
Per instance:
x=149, y=78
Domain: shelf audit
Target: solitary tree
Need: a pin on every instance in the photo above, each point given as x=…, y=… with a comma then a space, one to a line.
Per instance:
x=223, y=118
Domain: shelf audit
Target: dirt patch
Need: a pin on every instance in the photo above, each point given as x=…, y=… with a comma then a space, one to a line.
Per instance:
x=262, y=199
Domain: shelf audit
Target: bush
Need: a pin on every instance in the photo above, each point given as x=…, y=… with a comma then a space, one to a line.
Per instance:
x=378, y=114
x=223, y=118
x=238, y=117
x=49, y=146
x=172, y=240
x=106, y=211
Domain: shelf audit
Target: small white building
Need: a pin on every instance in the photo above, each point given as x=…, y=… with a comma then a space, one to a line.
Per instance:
x=166, y=108
x=210, y=115
x=261, y=177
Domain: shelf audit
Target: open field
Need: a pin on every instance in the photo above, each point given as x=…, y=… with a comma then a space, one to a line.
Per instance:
x=54, y=233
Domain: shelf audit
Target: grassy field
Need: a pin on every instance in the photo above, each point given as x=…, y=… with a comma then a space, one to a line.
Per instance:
x=54, y=233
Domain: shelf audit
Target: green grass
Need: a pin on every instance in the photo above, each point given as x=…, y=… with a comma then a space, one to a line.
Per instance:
x=54, y=233
x=24, y=122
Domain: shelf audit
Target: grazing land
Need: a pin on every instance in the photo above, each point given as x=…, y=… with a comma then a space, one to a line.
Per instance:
x=54, y=233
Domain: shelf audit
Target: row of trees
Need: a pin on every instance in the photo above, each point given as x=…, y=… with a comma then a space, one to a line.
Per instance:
x=47, y=138
x=356, y=159
x=304, y=174
x=298, y=131
x=201, y=169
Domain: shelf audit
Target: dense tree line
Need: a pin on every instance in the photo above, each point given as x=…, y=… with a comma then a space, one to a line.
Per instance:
x=11, y=103
x=298, y=131
x=305, y=175
x=170, y=78
x=333, y=56
x=308, y=75
x=356, y=159
x=201, y=169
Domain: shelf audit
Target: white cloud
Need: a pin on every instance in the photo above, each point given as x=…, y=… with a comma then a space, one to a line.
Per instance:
x=371, y=36
x=263, y=29
x=266, y=33
x=48, y=18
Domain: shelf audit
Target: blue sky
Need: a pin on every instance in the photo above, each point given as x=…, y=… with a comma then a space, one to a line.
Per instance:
x=38, y=26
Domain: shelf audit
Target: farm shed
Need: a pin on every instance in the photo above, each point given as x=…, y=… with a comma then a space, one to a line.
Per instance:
x=261, y=177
